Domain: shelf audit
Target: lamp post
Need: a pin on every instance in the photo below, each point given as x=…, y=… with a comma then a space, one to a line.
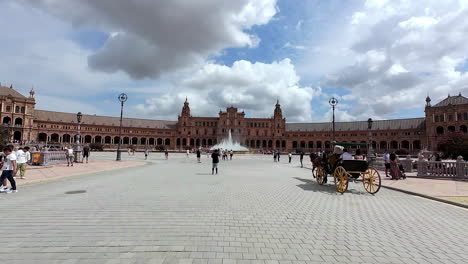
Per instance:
x=122, y=98
x=370, y=150
x=333, y=102
x=77, y=150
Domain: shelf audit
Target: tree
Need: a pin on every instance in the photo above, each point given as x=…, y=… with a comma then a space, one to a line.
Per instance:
x=453, y=145
x=4, y=134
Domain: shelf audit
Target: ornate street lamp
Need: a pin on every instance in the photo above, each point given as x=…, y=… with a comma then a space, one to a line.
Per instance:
x=77, y=150
x=333, y=102
x=122, y=98
x=370, y=150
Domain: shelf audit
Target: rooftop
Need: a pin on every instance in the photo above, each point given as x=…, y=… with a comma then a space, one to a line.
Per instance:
x=44, y=115
x=410, y=123
x=9, y=91
x=452, y=100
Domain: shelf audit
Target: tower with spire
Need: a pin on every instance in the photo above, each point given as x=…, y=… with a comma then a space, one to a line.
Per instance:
x=186, y=109
x=279, y=123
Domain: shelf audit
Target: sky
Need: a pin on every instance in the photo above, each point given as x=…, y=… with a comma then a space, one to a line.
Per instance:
x=379, y=58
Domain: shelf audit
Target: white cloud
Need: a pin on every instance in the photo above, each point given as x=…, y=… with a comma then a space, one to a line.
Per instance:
x=394, y=53
x=156, y=37
x=250, y=86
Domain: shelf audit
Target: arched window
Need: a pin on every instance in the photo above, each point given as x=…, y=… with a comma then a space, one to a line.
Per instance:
x=6, y=120
x=294, y=144
x=451, y=129
x=303, y=144
x=18, y=121
x=405, y=144
x=319, y=144
x=416, y=144
x=184, y=142
x=17, y=109
x=192, y=142
x=383, y=145
x=394, y=145
x=159, y=141
x=134, y=141
x=98, y=139
x=107, y=140
x=463, y=129
x=42, y=137
x=66, y=138
x=327, y=144
x=151, y=141
x=54, y=138
x=142, y=141
x=87, y=139
x=17, y=136
x=126, y=140
x=167, y=142
x=440, y=131
x=116, y=140
x=23, y=109
x=210, y=142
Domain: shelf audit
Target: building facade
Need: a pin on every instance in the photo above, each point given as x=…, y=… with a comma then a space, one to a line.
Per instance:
x=26, y=124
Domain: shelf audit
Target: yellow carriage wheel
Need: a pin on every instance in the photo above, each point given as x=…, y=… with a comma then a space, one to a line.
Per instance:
x=371, y=180
x=320, y=175
x=341, y=179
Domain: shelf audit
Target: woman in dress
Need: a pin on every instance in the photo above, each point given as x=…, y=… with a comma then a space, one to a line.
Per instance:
x=394, y=169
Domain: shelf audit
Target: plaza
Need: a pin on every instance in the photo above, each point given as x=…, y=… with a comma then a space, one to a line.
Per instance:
x=253, y=211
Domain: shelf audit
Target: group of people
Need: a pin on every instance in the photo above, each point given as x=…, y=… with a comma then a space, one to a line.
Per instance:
x=70, y=153
x=12, y=161
x=301, y=158
x=393, y=166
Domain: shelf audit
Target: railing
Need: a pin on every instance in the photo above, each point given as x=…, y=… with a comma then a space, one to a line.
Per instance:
x=48, y=157
x=443, y=169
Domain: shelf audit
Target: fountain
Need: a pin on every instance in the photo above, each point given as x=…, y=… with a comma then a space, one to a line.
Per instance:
x=229, y=144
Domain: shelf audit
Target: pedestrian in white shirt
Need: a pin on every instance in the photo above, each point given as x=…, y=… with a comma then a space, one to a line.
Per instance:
x=70, y=156
x=9, y=169
x=22, y=157
x=346, y=155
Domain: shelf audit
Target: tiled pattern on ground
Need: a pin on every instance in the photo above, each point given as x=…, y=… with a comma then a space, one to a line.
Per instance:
x=254, y=211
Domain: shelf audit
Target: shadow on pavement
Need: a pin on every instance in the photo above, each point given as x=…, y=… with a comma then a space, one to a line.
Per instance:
x=312, y=185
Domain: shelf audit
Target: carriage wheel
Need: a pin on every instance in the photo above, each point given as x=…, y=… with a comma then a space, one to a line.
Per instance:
x=320, y=175
x=371, y=180
x=341, y=180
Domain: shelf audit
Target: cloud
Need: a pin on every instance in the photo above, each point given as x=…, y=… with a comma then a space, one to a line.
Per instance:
x=390, y=54
x=254, y=87
x=149, y=38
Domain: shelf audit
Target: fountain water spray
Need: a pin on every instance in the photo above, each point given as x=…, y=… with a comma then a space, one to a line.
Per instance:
x=229, y=144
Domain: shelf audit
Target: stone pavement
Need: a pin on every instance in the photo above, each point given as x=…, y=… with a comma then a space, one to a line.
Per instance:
x=454, y=190
x=254, y=211
x=35, y=174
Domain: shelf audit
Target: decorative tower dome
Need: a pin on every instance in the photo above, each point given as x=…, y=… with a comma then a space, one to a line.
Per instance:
x=186, y=108
x=428, y=101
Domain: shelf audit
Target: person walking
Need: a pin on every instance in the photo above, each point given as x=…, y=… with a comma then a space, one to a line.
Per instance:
x=231, y=153
x=278, y=156
x=22, y=157
x=215, y=161
x=9, y=170
x=188, y=153
x=146, y=154
x=394, y=168
x=166, y=153
x=70, y=157
x=301, y=158
x=274, y=155
x=386, y=158
x=198, y=155
x=290, y=157
x=86, y=151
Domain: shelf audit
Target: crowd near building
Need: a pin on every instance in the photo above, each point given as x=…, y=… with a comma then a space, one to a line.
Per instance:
x=27, y=125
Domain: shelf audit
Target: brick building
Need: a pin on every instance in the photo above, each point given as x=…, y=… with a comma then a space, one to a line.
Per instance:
x=27, y=124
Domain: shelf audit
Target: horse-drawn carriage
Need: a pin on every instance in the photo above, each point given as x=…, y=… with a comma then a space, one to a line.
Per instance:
x=345, y=170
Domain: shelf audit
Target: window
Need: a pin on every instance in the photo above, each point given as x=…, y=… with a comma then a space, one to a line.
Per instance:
x=459, y=117
x=17, y=109
x=450, y=117
x=465, y=116
x=8, y=108
x=23, y=109
x=437, y=118
x=442, y=118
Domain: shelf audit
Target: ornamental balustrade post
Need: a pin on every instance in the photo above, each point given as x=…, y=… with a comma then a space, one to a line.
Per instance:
x=422, y=166
x=408, y=164
x=461, y=167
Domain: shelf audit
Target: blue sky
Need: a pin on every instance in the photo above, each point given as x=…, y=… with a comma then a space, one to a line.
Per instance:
x=379, y=58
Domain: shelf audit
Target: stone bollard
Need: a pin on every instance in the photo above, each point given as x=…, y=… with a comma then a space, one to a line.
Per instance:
x=461, y=165
x=422, y=166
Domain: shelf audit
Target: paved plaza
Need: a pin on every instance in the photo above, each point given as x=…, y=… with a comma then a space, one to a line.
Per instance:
x=254, y=211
